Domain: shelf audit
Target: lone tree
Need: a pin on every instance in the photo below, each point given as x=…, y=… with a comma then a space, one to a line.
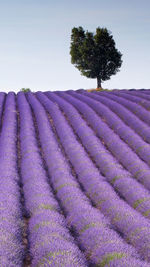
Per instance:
x=25, y=90
x=95, y=55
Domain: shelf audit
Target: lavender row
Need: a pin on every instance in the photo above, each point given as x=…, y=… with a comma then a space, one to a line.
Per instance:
x=136, y=109
x=141, y=97
x=101, y=245
x=11, y=220
x=146, y=91
x=50, y=242
x=130, y=119
x=123, y=218
x=139, y=198
x=144, y=150
x=76, y=205
x=127, y=134
x=89, y=229
x=134, y=98
x=2, y=100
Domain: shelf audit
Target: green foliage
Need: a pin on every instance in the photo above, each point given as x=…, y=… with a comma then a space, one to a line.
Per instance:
x=25, y=90
x=95, y=55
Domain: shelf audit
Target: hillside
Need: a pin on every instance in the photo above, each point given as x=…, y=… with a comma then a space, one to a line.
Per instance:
x=75, y=178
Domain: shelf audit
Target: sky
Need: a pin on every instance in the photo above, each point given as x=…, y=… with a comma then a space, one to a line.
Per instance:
x=35, y=37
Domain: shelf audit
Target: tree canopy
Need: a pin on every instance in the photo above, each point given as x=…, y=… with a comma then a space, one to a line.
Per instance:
x=95, y=55
x=25, y=90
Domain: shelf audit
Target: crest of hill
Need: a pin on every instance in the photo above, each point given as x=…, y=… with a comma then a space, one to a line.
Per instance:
x=25, y=90
x=102, y=89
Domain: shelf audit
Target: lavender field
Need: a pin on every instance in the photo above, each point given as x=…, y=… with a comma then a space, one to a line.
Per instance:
x=75, y=179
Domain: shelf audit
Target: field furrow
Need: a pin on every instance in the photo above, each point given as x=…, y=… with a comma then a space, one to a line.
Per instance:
x=136, y=108
x=141, y=97
x=126, y=133
x=127, y=117
x=89, y=224
x=11, y=216
x=85, y=170
x=75, y=179
x=139, y=198
x=134, y=100
x=50, y=242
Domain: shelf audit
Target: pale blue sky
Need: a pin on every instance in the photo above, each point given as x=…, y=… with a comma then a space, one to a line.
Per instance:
x=35, y=42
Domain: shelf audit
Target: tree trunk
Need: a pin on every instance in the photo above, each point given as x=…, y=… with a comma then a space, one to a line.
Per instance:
x=99, y=82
